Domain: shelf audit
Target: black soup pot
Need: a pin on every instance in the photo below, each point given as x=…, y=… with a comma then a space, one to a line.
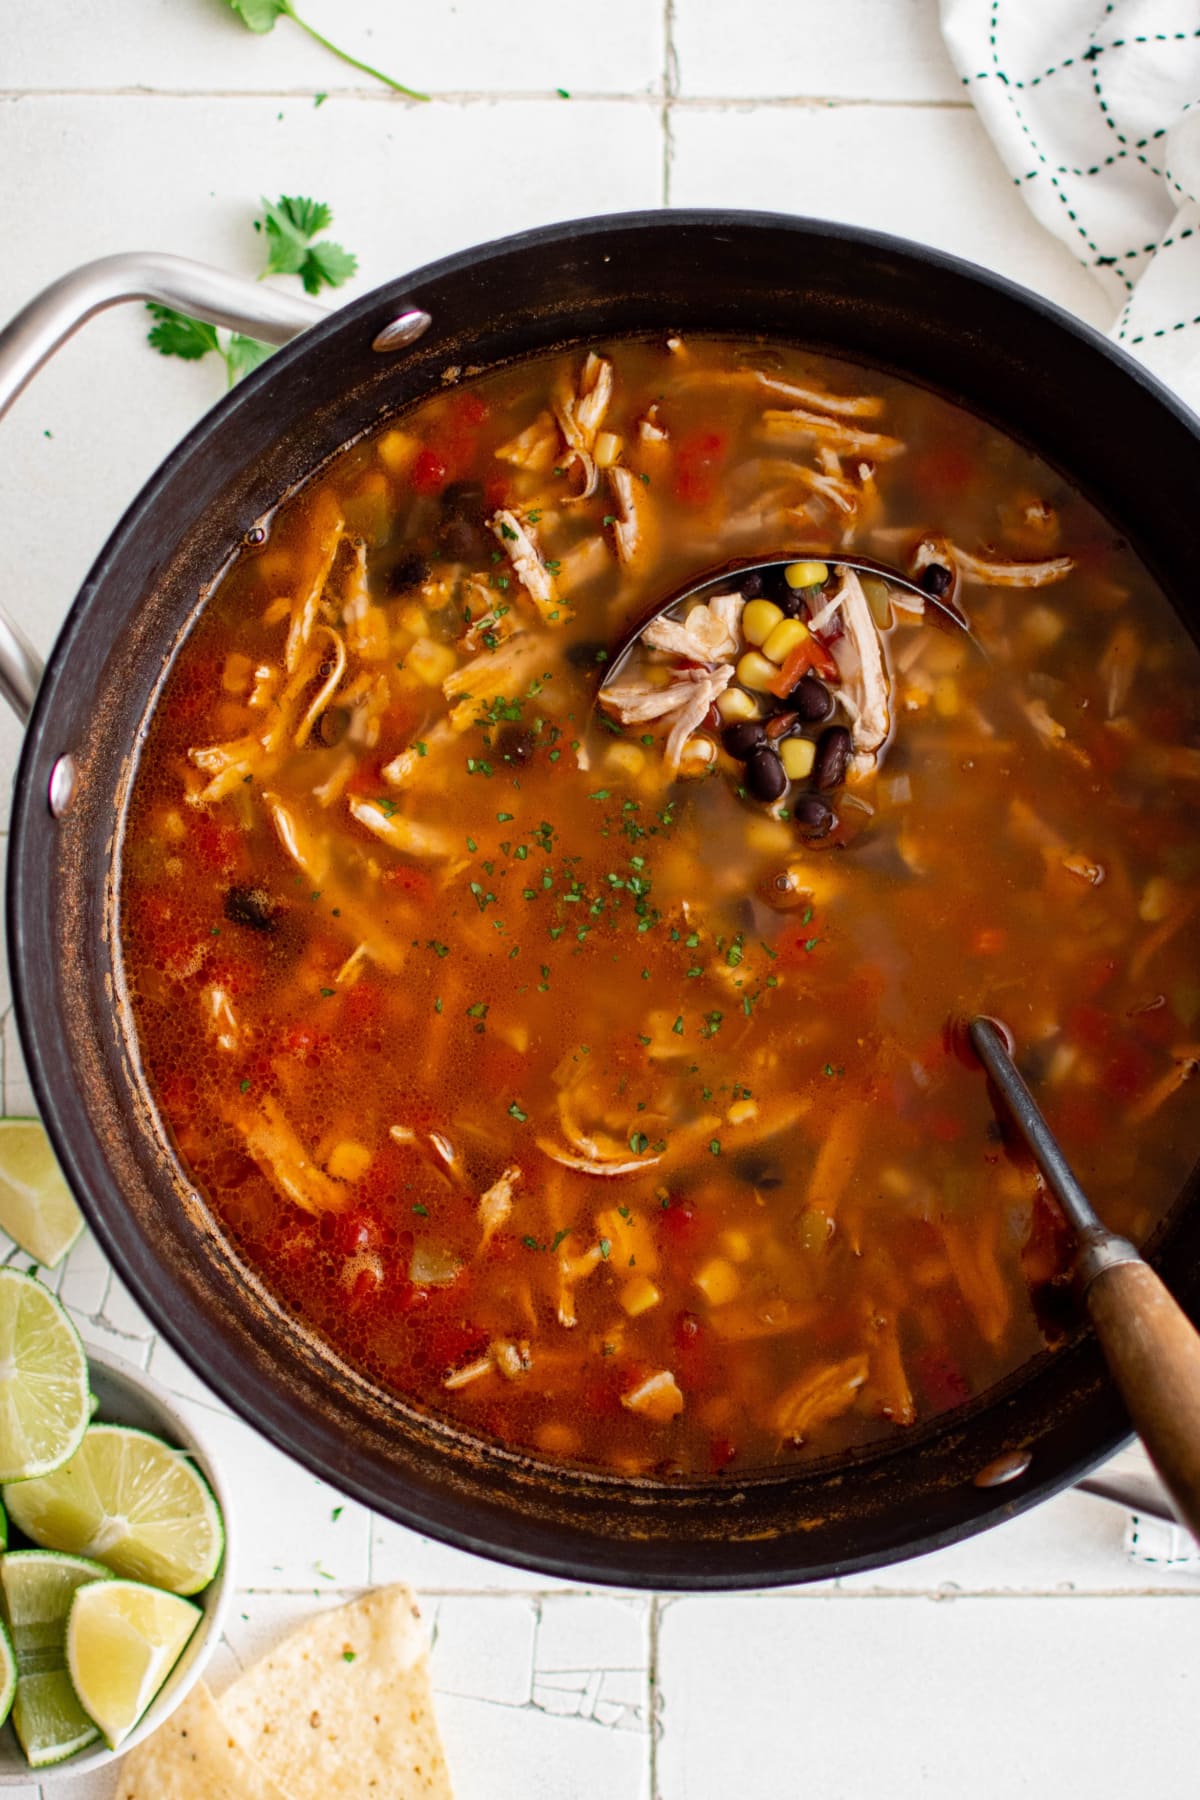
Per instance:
x=1008, y=356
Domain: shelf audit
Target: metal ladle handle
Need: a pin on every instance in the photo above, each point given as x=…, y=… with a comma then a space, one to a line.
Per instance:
x=1150, y=1344
x=53, y=316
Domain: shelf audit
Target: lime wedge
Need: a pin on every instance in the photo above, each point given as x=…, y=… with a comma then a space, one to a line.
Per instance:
x=43, y=1380
x=8, y=1674
x=36, y=1206
x=38, y=1587
x=123, y=1640
x=48, y=1719
x=132, y=1502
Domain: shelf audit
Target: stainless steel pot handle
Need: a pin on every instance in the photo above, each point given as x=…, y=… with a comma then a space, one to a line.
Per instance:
x=56, y=314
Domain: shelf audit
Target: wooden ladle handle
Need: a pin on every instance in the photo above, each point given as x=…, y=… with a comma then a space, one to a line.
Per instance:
x=1153, y=1350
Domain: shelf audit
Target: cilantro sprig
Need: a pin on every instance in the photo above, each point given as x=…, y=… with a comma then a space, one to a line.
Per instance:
x=260, y=16
x=289, y=224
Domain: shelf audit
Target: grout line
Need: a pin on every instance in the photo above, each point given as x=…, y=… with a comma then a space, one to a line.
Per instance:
x=670, y=94
x=487, y=97
x=654, y=1721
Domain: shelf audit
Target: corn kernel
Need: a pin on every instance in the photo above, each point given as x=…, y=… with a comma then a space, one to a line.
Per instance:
x=806, y=574
x=697, y=758
x=1158, y=898
x=767, y=836
x=737, y=1245
x=945, y=697
x=797, y=755
x=414, y=618
x=759, y=619
x=430, y=662
x=628, y=759
x=349, y=1161
x=608, y=449
x=396, y=450
x=657, y=1398
x=735, y=704
x=718, y=1281
x=237, y=673
x=742, y=1112
x=754, y=671
x=783, y=640
x=1042, y=625
x=639, y=1295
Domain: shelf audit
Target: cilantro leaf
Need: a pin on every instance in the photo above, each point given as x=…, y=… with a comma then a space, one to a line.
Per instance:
x=242, y=354
x=176, y=334
x=290, y=222
x=260, y=15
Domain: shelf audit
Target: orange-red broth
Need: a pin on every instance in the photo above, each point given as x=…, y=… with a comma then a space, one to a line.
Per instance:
x=836, y=1240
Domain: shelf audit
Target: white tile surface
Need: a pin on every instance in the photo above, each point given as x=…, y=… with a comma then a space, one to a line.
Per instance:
x=455, y=46
x=844, y=1699
x=1013, y=1663
x=850, y=49
x=921, y=172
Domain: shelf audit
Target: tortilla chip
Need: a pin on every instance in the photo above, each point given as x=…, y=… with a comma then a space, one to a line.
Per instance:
x=193, y=1756
x=343, y=1710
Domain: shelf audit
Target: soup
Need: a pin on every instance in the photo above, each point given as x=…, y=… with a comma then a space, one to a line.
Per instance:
x=581, y=1072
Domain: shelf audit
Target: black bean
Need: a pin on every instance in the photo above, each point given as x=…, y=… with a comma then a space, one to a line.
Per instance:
x=465, y=540
x=586, y=653
x=764, y=775
x=410, y=572
x=464, y=500
x=251, y=906
x=791, y=603
x=759, y=1170
x=516, y=744
x=811, y=699
x=814, y=817
x=774, y=584
x=936, y=580
x=833, y=755
x=751, y=585
x=744, y=738
x=331, y=726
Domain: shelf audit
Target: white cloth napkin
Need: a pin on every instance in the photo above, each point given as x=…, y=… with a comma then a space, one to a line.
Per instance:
x=1095, y=109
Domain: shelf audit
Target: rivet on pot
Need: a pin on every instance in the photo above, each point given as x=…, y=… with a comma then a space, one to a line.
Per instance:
x=405, y=329
x=64, y=779
x=1005, y=1468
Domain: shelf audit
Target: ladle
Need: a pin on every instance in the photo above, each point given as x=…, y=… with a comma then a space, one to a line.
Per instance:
x=730, y=573
x=1152, y=1348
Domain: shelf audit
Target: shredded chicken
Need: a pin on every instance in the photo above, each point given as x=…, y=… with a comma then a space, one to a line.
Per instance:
x=305, y=607
x=535, y=448
x=822, y=1394
x=990, y=573
x=858, y=654
x=627, y=526
x=580, y=411
x=275, y=1145
x=586, y=1165
x=709, y=634
x=685, y=699
x=398, y=832
x=657, y=1398
x=326, y=691
x=802, y=423
x=518, y=539
x=495, y=1207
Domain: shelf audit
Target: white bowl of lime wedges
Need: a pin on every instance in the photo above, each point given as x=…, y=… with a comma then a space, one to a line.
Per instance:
x=117, y=1572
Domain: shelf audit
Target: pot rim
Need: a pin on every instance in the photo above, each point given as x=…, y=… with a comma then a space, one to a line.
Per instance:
x=371, y=312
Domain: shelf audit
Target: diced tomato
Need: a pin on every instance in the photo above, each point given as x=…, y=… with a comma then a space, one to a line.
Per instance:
x=679, y=1223
x=352, y=1231
x=693, y=1351
x=470, y=409
x=304, y=1042
x=215, y=845
x=796, y=943
x=698, y=458
x=428, y=474
x=497, y=491
x=721, y=1453
x=810, y=653
x=413, y=882
x=942, y=469
x=368, y=779
x=942, y=1382
x=990, y=940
